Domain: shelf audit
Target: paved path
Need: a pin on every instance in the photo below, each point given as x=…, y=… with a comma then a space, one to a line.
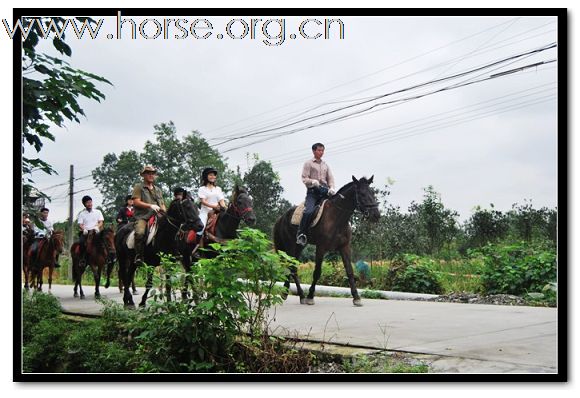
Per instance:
x=465, y=338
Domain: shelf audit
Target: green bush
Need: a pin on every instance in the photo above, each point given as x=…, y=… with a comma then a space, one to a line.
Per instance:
x=35, y=308
x=46, y=350
x=518, y=268
x=90, y=350
x=410, y=273
x=231, y=295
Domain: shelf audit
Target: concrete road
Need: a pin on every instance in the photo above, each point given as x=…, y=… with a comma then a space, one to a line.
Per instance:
x=453, y=338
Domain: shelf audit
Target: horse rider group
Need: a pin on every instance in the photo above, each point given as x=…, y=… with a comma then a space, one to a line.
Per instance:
x=146, y=200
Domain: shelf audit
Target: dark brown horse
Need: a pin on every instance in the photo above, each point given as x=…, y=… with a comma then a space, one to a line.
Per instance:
x=227, y=224
x=181, y=215
x=332, y=233
x=40, y=254
x=100, y=251
x=27, y=240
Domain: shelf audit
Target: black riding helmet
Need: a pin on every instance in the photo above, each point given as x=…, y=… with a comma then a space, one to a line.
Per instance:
x=179, y=190
x=205, y=173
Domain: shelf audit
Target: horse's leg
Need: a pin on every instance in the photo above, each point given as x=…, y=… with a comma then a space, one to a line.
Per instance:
x=133, y=286
x=110, y=266
x=97, y=277
x=148, y=286
x=50, y=271
x=316, y=275
x=80, y=279
x=128, y=275
x=345, y=254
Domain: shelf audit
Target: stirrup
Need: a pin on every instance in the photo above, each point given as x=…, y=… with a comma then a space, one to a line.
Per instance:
x=301, y=240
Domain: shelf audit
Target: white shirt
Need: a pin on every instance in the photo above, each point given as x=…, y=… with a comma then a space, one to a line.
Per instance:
x=42, y=231
x=90, y=219
x=212, y=196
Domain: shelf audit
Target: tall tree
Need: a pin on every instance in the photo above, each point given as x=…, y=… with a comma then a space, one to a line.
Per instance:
x=51, y=89
x=264, y=186
x=437, y=223
x=179, y=162
x=115, y=178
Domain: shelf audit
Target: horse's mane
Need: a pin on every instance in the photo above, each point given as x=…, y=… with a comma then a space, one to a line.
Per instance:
x=344, y=188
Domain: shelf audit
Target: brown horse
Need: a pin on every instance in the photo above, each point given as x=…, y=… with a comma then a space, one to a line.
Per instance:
x=100, y=251
x=42, y=253
x=27, y=239
x=332, y=233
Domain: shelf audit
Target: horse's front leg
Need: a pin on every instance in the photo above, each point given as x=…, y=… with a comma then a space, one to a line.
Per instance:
x=97, y=276
x=345, y=254
x=148, y=286
x=316, y=275
x=50, y=272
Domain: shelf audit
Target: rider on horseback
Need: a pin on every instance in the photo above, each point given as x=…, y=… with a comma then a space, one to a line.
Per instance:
x=89, y=220
x=148, y=200
x=319, y=181
x=210, y=195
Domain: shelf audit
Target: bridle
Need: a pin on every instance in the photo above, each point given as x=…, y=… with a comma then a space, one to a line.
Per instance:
x=239, y=213
x=363, y=208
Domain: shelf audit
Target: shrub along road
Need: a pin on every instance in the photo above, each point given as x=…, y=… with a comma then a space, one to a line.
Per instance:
x=451, y=337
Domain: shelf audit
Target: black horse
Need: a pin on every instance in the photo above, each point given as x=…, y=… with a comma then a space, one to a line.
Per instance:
x=332, y=233
x=181, y=215
x=227, y=224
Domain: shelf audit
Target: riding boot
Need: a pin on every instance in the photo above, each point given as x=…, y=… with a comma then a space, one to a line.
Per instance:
x=303, y=230
x=139, y=251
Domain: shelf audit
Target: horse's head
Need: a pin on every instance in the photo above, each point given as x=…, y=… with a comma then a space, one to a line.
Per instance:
x=186, y=212
x=242, y=205
x=108, y=239
x=365, y=200
x=57, y=238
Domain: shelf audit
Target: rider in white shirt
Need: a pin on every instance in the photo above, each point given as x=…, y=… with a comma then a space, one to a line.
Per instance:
x=210, y=195
x=89, y=220
x=41, y=232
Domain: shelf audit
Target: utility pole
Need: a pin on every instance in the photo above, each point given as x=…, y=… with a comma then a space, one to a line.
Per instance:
x=70, y=219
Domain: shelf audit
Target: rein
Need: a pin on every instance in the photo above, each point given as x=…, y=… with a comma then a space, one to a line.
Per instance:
x=363, y=208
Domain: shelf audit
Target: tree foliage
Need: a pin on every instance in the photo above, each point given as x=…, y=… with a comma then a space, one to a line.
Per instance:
x=51, y=90
x=179, y=162
x=264, y=186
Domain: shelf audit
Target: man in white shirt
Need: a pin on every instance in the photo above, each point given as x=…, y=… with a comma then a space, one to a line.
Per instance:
x=41, y=232
x=89, y=220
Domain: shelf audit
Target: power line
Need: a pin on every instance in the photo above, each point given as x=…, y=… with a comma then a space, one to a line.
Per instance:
x=429, y=119
x=454, y=60
x=431, y=82
x=396, y=137
x=367, y=75
x=396, y=101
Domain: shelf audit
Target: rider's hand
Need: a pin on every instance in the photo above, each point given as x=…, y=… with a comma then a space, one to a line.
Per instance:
x=331, y=192
x=156, y=208
x=85, y=231
x=96, y=229
x=315, y=183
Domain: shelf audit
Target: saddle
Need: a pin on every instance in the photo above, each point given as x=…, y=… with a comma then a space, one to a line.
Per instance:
x=299, y=211
x=150, y=232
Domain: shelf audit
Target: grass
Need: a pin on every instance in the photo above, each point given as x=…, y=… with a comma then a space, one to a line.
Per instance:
x=459, y=275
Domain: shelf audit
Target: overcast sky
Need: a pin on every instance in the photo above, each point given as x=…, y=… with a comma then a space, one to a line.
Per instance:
x=489, y=142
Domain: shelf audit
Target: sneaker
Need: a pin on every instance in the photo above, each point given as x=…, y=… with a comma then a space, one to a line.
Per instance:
x=301, y=240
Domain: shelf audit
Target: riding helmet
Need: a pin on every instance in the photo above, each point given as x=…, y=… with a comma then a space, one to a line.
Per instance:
x=206, y=172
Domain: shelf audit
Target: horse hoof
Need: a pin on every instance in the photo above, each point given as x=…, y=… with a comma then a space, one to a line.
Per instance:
x=307, y=301
x=357, y=302
x=285, y=296
x=135, y=292
x=82, y=296
x=141, y=305
x=130, y=306
x=97, y=296
x=107, y=285
x=76, y=295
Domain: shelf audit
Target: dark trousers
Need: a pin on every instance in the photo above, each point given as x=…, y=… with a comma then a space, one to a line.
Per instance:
x=313, y=197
